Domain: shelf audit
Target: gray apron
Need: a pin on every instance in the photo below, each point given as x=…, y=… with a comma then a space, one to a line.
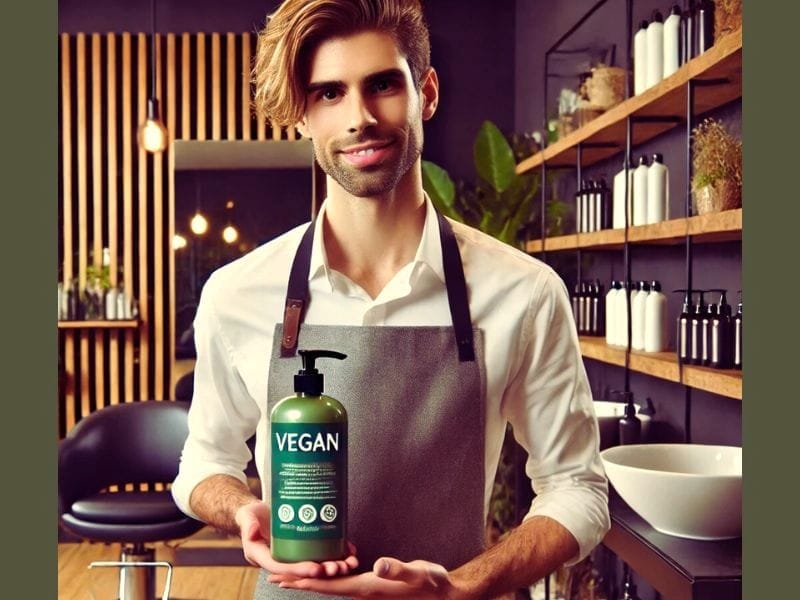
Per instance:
x=415, y=403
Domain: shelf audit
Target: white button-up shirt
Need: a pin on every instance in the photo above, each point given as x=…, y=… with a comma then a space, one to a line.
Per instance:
x=535, y=375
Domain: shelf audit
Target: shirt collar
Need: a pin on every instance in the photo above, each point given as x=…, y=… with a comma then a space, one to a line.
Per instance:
x=429, y=251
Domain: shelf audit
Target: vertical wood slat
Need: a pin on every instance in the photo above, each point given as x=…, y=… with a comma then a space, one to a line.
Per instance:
x=97, y=212
x=171, y=106
x=230, y=52
x=158, y=250
x=91, y=140
x=143, y=255
x=127, y=199
x=113, y=242
x=186, y=112
x=245, y=76
x=67, y=204
x=201, y=86
x=83, y=219
x=216, y=85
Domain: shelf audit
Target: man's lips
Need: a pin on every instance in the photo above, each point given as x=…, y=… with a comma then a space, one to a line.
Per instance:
x=364, y=155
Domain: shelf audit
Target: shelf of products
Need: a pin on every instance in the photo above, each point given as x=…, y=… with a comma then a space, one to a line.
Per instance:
x=110, y=324
x=723, y=61
x=723, y=226
x=664, y=365
x=679, y=568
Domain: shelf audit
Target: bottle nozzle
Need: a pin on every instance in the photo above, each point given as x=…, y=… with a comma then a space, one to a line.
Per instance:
x=309, y=380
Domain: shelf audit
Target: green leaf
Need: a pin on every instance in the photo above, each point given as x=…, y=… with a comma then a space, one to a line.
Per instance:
x=494, y=159
x=441, y=189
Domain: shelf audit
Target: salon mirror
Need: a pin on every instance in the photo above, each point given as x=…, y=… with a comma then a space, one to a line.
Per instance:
x=230, y=197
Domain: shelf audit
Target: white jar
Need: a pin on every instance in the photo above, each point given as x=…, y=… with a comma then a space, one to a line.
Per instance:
x=611, y=313
x=655, y=51
x=672, y=42
x=640, y=59
x=621, y=316
x=618, y=200
x=637, y=316
x=655, y=319
x=640, y=192
x=657, y=190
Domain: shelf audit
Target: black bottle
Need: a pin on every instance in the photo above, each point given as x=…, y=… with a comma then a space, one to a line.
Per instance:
x=705, y=333
x=630, y=427
x=582, y=301
x=597, y=312
x=579, y=209
x=737, y=335
x=705, y=26
x=690, y=32
x=575, y=306
x=695, y=330
x=603, y=201
x=682, y=338
x=721, y=334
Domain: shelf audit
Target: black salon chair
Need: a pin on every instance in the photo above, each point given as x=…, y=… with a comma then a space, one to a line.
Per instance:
x=131, y=443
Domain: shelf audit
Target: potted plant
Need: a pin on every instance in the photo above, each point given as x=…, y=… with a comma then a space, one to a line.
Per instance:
x=500, y=201
x=717, y=165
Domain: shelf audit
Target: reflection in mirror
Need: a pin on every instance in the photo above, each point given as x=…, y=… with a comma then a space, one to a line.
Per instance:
x=231, y=197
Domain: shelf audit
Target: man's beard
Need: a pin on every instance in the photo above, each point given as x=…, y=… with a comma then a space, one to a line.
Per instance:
x=374, y=180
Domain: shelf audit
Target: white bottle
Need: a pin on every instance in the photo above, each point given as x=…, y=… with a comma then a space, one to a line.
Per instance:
x=122, y=303
x=611, y=313
x=621, y=316
x=618, y=199
x=655, y=51
x=638, y=316
x=655, y=320
x=640, y=192
x=111, y=304
x=657, y=190
x=672, y=42
x=640, y=59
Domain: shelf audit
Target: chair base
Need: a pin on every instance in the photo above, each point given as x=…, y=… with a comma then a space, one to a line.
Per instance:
x=137, y=573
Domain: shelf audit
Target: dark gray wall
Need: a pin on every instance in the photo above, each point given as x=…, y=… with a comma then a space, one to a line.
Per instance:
x=472, y=48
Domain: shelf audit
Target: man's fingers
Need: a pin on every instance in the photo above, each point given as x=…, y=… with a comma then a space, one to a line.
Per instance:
x=415, y=573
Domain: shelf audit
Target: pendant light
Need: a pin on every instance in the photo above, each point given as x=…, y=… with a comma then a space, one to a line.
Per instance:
x=152, y=134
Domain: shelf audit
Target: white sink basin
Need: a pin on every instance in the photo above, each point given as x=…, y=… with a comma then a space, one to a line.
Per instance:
x=608, y=416
x=687, y=490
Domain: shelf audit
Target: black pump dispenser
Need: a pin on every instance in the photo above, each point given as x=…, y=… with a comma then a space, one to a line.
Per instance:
x=630, y=427
x=696, y=330
x=684, y=321
x=721, y=344
x=737, y=335
x=308, y=380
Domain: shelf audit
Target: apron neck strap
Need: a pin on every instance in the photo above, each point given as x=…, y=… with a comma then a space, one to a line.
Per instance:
x=297, y=294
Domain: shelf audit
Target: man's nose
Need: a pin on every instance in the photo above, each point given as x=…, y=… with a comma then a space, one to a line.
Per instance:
x=360, y=115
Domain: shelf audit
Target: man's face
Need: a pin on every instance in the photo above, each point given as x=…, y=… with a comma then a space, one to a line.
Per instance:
x=364, y=112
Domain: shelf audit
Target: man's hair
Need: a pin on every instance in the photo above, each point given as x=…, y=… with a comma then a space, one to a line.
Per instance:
x=281, y=68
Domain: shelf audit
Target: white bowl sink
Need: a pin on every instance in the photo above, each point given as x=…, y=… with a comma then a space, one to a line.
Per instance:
x=687, y=490
x=608, y=415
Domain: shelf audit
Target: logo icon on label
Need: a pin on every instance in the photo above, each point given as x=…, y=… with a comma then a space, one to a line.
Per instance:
x=307, y=513
x=328, y=513
x=285, y=513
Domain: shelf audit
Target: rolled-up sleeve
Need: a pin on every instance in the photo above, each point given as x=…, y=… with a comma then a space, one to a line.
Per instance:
x=548, y=404
x=222, y=415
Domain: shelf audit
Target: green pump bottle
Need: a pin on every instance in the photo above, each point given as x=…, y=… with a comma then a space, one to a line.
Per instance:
x=308, y=437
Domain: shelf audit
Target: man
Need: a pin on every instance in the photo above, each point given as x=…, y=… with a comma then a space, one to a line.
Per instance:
x=449, y=333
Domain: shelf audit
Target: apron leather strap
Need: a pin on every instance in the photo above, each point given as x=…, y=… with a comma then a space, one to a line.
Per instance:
x=297, y=294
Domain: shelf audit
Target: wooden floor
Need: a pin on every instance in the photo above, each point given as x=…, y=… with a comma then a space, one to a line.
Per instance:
x=194, y=581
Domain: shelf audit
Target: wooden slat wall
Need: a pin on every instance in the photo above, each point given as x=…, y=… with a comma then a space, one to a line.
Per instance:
x=114, y=195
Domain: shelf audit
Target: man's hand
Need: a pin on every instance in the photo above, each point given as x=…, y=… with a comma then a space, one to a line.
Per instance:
x=253, y=521
x=390, y=578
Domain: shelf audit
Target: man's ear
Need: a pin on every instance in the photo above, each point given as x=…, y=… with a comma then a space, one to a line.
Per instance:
x=302, y=127
x=429, y=89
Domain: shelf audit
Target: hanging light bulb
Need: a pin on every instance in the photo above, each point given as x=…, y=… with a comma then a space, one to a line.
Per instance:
x=199, y=224
x=152, y=134
x=229, y=234
x=178, y=242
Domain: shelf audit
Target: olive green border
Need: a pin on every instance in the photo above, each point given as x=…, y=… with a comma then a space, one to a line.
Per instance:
x=28, y=49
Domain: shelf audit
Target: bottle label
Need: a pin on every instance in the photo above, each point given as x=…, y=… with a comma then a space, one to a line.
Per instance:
x=309, y=480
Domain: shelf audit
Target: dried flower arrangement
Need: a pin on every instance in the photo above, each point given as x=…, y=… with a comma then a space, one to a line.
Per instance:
x=717, y=164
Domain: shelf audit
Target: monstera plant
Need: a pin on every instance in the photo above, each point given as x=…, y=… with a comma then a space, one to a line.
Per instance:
x=500, y=202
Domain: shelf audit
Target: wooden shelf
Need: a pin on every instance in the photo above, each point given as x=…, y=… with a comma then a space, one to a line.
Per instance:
x=109, y=324
x=664, y=365
x=714, y=227
x=680, y=569
x=723, y=61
